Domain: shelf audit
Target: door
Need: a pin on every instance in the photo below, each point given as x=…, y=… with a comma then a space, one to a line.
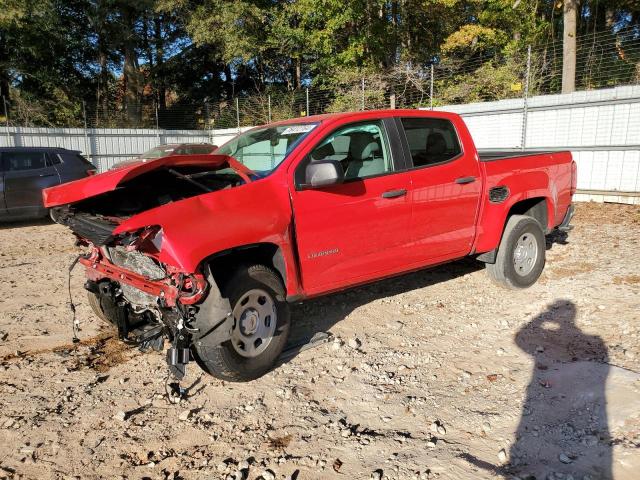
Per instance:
x=26, y=173
x=446, y=189
x=354, y=231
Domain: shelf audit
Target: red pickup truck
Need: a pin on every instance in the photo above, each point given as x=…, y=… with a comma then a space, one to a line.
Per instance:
x=207, y=251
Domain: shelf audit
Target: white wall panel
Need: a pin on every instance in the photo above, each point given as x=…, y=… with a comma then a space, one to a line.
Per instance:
x=601, y=128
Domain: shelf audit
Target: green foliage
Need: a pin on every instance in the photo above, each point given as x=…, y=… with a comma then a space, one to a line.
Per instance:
x=123, y=59
x=490, y=81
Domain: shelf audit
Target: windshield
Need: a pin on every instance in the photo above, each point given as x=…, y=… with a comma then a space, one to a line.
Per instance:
x=158, y=152
x=263, y=149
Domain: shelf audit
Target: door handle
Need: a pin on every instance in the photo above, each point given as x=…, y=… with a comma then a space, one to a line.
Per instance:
x=394, y=193
x=463, y=180
x=46, y=175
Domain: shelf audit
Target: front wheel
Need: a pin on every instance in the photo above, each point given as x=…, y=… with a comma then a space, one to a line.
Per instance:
x=521, y=254
x=94, y=303
x=260, y=327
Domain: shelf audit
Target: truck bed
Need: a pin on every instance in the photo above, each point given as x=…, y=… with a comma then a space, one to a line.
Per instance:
x=493, y=155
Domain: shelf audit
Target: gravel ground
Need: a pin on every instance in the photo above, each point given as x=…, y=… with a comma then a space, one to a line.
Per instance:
x=433, y=375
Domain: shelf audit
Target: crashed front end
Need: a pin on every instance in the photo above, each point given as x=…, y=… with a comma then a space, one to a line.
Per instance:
x=146, y=301
x=130, y=282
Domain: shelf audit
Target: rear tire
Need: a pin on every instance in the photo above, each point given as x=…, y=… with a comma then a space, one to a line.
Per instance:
x=260, y=330
x=521, y=254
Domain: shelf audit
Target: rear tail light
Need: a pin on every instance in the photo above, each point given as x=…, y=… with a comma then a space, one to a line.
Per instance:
x=93, y=171
x=574, y=177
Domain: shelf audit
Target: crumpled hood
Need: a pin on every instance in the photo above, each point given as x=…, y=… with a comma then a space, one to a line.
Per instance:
x=88, y=187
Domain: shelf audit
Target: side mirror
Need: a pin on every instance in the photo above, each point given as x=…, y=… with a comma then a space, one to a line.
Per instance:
x=322, y=173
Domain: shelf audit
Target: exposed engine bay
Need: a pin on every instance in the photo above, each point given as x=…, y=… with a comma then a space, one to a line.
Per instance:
x=156, y=188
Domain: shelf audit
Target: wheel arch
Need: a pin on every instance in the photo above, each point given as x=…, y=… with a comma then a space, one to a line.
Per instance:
x=536, y=207
x=224, y=263
x=539, y=208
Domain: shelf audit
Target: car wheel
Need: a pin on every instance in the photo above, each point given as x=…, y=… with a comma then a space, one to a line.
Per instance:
x=521, y=254
x=94, y=303
x=260, y=329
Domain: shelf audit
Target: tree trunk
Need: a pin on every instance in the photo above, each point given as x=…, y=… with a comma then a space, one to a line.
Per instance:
x=159, y=75
x=4, y=76
x=298, y=72
x=569, y=47
x=131, y=72
x=228, y=83
x=102, y=93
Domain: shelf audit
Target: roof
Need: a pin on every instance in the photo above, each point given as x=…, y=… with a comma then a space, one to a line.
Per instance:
x=36, y=149
x=336, y=116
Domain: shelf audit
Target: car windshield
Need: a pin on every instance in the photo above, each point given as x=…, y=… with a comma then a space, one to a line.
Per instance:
x=263, y=149
x=158, y=152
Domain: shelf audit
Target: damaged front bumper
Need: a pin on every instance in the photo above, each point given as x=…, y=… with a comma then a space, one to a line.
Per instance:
x=186, y=289
x=185, y=308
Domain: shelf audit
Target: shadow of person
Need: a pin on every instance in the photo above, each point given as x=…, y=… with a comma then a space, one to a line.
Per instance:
x=563, y=432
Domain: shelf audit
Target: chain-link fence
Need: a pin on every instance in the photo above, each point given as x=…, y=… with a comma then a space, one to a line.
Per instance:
x=603, y=60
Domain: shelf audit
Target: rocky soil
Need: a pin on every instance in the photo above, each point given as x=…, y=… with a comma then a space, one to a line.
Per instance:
x=433, y=375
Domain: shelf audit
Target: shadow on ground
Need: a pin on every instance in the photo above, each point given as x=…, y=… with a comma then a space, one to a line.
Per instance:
x=317, y=316
x=563, y=431
x=314, y=317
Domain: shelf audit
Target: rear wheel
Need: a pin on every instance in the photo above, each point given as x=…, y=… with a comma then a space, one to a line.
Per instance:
x=521, y=254
x=260, y=327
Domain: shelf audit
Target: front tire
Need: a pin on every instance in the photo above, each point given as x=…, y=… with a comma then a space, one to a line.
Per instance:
x=260, y=329
x=94, y=303
x=521, y=254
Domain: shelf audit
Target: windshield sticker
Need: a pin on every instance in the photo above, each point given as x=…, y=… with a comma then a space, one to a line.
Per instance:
x=298, y=129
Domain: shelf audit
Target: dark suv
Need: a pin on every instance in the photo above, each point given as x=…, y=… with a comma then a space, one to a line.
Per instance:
x=25, y=171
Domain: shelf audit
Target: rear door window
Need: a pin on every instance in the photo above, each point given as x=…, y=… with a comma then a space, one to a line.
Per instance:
x=19, y=161
x=431, y=140
x=74, y=157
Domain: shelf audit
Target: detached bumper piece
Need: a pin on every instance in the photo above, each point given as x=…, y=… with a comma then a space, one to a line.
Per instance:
x=566, y=226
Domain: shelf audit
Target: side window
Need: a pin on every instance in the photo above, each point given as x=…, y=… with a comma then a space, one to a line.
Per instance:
x=431, y=140
x=54, y=159
x=15, y=161
x=73, y=158
x=362, y=150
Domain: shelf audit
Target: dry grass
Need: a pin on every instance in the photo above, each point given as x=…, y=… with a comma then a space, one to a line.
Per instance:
x=571, y=270
x=605, y=213
x=627, y=279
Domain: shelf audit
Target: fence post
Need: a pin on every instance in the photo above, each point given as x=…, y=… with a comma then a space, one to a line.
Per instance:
x=6, y=117
x=269, y=105
x=307, y=91
x=362, y=93
x=525, y=106
x=86, y=129
x=238, y=113
x=431, y=89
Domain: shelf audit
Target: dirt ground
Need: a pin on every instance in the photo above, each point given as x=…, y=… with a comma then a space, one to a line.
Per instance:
x=433, y=375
